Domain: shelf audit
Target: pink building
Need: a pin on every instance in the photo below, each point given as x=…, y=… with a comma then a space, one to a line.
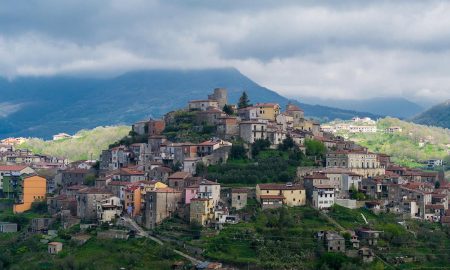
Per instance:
x=190, y=193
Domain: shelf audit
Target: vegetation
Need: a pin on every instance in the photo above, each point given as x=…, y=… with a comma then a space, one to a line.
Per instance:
x=276, y=239
x=22, y=250
x=183, y=129
x=228, y=109
x=243, y=101
x=284, y=239
x=267, y=165
x=438, y=115
x=86, y=143
x=414, y=144
x=17, y=252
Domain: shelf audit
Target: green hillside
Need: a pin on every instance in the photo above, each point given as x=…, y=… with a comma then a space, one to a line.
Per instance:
x=438, y=115
x=413, y=144
x=85, y=143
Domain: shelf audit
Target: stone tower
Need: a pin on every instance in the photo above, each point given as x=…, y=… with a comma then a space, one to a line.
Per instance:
x=221, y=95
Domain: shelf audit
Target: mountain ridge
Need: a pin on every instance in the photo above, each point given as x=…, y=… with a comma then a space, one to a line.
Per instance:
x=387, y=106
x=438, y=115
x=67, y=104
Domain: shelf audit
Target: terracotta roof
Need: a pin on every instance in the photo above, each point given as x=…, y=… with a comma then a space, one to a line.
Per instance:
x=128, y=171
x=179, y=175
x=76, y=187
x=434, y=206
x=429, y=174
x=271, y=197
x=164, y=169
x=207, y=182
x=280, y=187
x=12, y=167
x=239, y=190
x=266, y=104
x=316, y=176
x=166, y=190
x=118, y=183
x=324, y=186
x=292, y=107
x=94, y=190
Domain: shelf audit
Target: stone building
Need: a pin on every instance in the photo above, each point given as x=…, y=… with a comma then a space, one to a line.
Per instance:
x=250, y=131
x=239, y=198
x=334, y=242
x=159, y=205
x=220, y=95
x=87, y=200
x=361, y=162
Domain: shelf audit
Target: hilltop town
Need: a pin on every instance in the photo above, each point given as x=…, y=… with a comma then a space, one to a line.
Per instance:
x=188, y=180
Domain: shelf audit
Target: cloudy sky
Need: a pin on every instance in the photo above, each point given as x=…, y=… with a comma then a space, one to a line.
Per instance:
x=338, y=49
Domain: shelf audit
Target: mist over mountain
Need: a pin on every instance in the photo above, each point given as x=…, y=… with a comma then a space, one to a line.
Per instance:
x=386, y=106
x=43, y=106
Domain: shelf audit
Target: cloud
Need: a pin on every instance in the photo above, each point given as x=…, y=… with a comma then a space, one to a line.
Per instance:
x=7, y=108
x=330, y=49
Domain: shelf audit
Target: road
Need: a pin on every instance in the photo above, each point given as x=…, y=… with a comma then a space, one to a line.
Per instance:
x=141, y=232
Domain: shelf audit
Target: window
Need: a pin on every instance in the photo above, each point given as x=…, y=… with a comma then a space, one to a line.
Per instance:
x=239, y=197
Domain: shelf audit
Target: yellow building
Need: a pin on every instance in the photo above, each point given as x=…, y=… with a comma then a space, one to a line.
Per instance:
x=268, y=111
x=274, y=195
x=201, y=210
x=34, y=190
x=134, y=195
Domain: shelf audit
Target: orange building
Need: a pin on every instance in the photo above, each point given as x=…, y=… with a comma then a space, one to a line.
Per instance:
x=34, y=189
x=134, y=195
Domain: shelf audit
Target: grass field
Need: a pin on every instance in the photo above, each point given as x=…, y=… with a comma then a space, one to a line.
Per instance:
x=86, y=143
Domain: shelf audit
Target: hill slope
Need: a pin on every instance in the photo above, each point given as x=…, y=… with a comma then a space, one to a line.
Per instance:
x=394, y=107
x=43, y=106
x=87, y=144
x=414, y=144
x=438, y=115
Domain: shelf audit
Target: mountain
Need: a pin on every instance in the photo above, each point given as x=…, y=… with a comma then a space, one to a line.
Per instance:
x=438, y=115
x=43, y=106
x=386, y=106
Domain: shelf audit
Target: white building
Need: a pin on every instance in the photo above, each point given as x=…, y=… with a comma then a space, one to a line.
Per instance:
x=203, y=105
x=109, y=209
x=250, y=131
x=61, y=136
x=209, y=190
x=349, y=180
x=323, y=196
x=362, y=129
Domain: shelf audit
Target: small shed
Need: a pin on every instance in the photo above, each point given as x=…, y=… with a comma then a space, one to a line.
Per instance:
x=55, y=247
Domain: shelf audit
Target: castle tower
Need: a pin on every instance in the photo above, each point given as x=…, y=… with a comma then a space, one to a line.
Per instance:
x=220, y=95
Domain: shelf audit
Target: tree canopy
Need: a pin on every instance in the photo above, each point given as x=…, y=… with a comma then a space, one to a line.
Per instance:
x=243, y=101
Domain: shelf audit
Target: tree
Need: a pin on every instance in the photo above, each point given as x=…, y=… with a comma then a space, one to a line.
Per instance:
x=437, y=184
x=287, y=144
x=89, y=180
x=39, y=207
x=201, y=169
x=260, y=145
x=238, y=151
x=176, y=167
x=228, y=109
x=315, y=148
x=243, y=101
x=196, y=229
